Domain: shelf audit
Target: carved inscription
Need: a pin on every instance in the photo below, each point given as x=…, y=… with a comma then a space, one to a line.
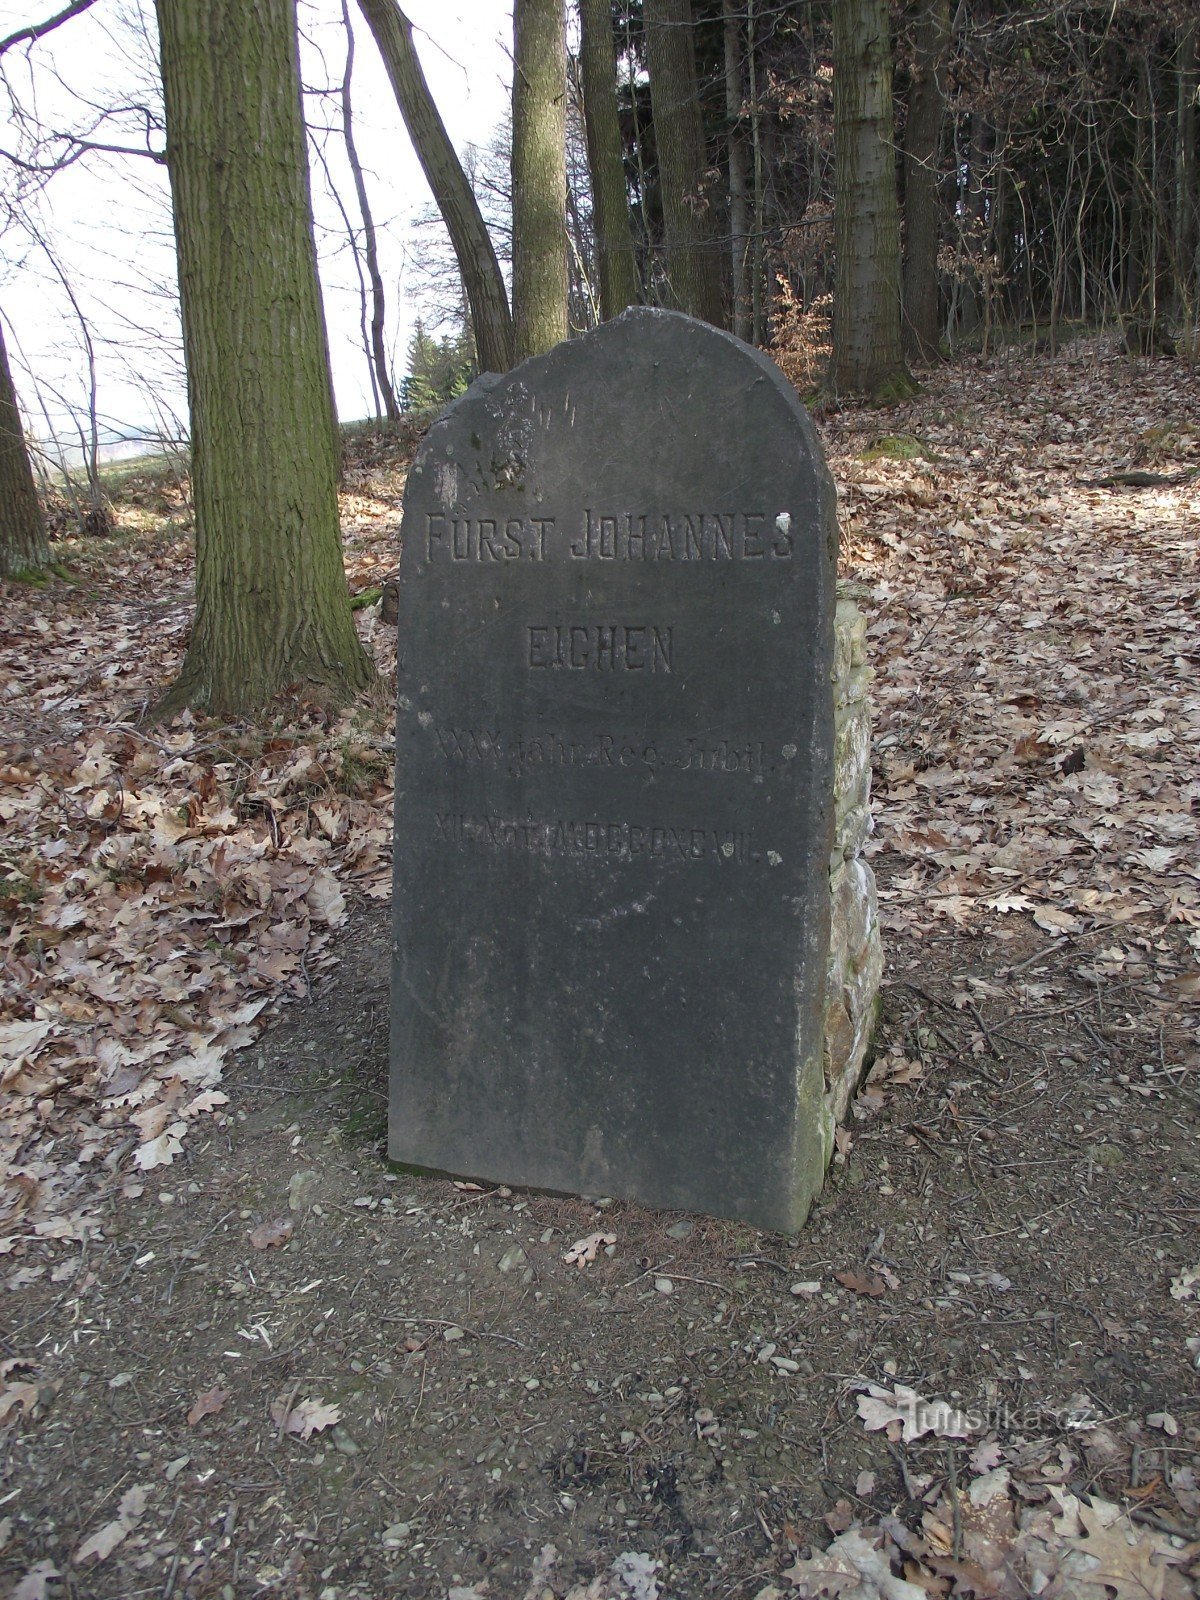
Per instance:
x=520, y=753
x=608, y=535
x=623, y=840
x=602, y=647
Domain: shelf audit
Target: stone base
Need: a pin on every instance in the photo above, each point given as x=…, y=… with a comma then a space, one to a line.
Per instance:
x=855, y=948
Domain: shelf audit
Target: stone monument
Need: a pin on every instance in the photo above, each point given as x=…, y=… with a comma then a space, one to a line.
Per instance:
x=624, y=810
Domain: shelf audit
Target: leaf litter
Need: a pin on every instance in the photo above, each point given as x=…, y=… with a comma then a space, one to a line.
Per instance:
x=1033, y=641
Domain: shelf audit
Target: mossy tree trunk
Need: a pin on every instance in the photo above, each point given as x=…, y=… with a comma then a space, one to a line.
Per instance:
x=491, y=321
x=23, y=544
x=272, y=608
x=922, y=181
x=868, y=356
x=692, y=265
x=539, y=176
x=615, y=259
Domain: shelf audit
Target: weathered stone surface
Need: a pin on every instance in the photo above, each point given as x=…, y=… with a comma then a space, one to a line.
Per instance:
x=852, y=755
x=614, y=800
x=855, y=949
x=853, y=831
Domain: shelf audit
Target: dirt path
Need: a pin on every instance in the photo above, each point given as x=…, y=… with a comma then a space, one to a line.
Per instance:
x=1020, y=1211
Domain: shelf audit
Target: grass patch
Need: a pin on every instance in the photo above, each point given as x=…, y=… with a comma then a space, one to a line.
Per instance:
x=899, y=386
x=897, y=447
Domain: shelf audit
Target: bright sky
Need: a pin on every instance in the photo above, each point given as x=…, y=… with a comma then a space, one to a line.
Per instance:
x=107, y=218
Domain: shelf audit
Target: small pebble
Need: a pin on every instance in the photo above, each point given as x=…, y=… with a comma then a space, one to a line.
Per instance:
x=664, y=1285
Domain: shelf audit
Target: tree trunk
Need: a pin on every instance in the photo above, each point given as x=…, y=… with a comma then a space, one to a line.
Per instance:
x=22, y=532
x=377, y=346
x=539, y=176
x=1186, y=227
x=491, y=321
x=867, y=353
x=739, y=231
x=758, y=309
x=272, y=610
x=692, y=266
x=615, y=261
x=922, y=213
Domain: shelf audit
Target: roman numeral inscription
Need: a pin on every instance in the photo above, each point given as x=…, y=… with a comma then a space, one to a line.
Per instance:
x=621, y=840
x=610, y=751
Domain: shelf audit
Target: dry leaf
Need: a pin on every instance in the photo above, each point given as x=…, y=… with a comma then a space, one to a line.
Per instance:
x=1187, y=1285
x=33, y=1585
x=207, y=1405
x=162, y=1151
x=636, y=1571
x=17, y=1396
x=854, y=1566
x=271, y=1235
x=840, y=1517
x=306, y=1418
x=861, y=1283
x=910, y=1414
x=585, y=1250
x=1056, y=921
x=543, y=1565
x=101, y=1544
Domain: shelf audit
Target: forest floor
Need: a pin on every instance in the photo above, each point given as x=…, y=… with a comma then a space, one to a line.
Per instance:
x=242, y=1357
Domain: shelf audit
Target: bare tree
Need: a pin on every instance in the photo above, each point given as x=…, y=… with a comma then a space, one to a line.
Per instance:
x=491, y=320
x=376, y=347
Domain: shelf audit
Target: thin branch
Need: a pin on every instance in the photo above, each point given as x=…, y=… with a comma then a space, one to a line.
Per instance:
x=37, y=29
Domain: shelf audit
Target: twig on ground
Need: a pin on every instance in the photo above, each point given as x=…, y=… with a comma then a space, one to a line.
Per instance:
x=446, y=1322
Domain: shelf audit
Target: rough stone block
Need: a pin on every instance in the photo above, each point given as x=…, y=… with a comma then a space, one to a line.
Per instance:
x=615, y=779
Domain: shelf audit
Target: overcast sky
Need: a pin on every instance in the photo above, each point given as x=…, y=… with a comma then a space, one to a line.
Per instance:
x=106, y=219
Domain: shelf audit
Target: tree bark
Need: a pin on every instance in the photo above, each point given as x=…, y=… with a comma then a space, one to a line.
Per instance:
x=615, y=261
x=539, y=176
x=23, y=544
x=922, y=213
x=867, y=353
x=692, y=267
x=377, y=346
x=272, y=609
x=491, y=321
x=758, y=299
x=1186, y=244
x=739, y=231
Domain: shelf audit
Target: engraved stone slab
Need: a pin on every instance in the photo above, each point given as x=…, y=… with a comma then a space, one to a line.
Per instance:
x=614, y=795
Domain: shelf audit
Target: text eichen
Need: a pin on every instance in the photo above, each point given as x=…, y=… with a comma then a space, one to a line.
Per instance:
x=602, y=646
